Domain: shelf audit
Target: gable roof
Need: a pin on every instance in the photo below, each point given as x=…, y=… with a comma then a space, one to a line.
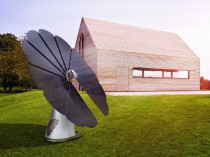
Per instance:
x=120, y=37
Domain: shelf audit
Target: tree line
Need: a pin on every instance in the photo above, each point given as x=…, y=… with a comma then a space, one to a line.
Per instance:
x=13, y=64
x=204, y=84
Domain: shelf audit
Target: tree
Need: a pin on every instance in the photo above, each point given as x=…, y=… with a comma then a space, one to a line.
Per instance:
x=13, y=64
x=208, y=85
x=204, y=84
x=9, y=49
x=21, y=69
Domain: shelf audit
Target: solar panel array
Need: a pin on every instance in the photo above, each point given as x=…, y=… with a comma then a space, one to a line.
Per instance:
x=52, y=64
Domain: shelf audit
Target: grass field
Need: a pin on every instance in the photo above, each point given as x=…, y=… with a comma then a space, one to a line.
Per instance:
x=147, y=126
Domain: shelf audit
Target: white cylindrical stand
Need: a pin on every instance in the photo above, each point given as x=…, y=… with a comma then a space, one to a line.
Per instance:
x=60, y=129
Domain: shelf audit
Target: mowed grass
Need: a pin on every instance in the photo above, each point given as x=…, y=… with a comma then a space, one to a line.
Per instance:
x=146, y=126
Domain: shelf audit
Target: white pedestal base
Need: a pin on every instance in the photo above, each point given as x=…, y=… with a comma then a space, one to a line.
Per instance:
x=60, y=129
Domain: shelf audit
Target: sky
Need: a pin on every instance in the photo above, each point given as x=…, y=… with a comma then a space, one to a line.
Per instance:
x=190, y=19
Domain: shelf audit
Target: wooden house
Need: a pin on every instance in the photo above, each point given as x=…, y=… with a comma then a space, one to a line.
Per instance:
x=128, y=58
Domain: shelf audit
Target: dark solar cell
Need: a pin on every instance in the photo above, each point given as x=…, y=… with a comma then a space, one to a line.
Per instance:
x=65, y=49
x=75, y=98
x=87, y=78
x=35, y=58
x=45, y=79
x=51, y=44
x=38, y=43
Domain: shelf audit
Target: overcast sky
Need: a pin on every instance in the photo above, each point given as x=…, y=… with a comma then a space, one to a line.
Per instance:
x=190, y=19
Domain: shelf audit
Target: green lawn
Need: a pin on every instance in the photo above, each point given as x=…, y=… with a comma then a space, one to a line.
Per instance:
x=5, y=94
x=146, y=126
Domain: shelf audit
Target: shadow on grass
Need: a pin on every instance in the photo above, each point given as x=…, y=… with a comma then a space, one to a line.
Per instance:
x=21, y=135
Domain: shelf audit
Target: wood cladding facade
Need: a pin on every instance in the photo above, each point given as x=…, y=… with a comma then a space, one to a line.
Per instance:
x=114, y=67
x=88, y=49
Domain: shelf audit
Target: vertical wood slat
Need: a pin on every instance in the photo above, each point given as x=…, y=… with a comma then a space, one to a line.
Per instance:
x=122, y=79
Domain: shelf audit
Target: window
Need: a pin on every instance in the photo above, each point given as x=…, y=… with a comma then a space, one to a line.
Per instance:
x=180, y=74
x=152, y=73
x=167, y=74
x=160, y=73
x=81, y=52
x=81, y=45
x=137, y=73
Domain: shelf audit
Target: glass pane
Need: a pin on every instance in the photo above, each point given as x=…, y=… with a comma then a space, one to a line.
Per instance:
x=137, y=73
x=180, y=74
x=167, y=74
x=152, y=73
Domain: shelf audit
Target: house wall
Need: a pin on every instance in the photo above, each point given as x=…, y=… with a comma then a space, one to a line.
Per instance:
x=89, y=50
x=115, y=71
x=114, y=68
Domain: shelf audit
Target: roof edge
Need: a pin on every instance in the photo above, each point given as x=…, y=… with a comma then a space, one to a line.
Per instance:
x=127, y=25
x=81, y=22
